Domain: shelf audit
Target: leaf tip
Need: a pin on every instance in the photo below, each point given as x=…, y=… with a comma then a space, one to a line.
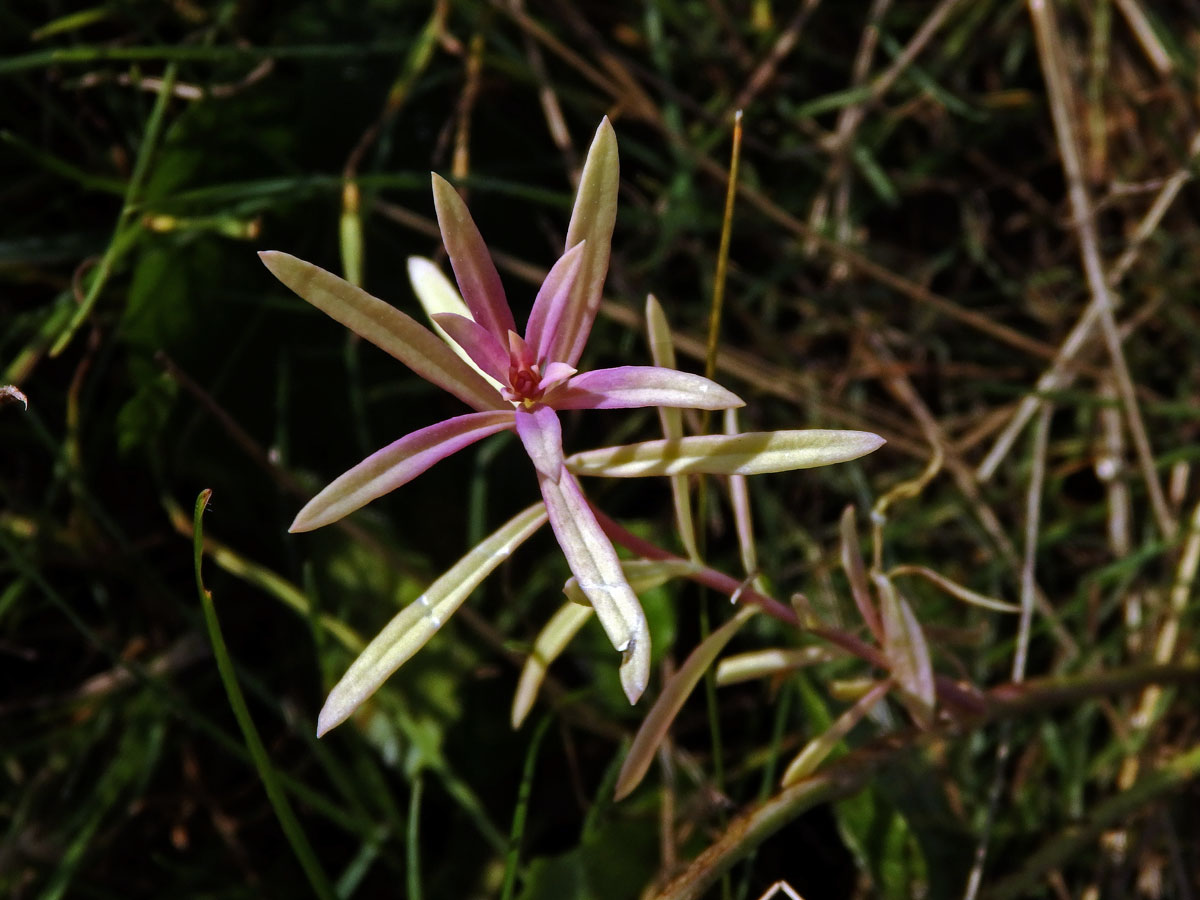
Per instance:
x=331, y=716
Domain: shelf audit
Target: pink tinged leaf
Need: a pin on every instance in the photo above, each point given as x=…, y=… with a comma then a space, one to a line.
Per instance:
x=856, y=574
x=420, y=620
x=474, y=270
x=541, y=433
x=546, y=316
x=396, y=464
x=386, y=327
x=906, y=652
x=437, y=294
x=598, y=572
x=626, y=387
x=556, y=374
x=677, y=689
x=592, y=220
x=753, y=453
x=477, y=342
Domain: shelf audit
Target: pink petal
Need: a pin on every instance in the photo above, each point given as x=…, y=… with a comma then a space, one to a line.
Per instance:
x=474, y=270
x=592, y=220
x=631, y=386
x=555, y=374
x=477, y=342
x=396, y=464
x=551, y=301
x=596, y=568
x=541, y=434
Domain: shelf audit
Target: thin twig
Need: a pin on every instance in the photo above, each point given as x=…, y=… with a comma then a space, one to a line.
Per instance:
x=1053, y=68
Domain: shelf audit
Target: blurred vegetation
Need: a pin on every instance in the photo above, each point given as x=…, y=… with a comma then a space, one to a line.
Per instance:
x=915, y=238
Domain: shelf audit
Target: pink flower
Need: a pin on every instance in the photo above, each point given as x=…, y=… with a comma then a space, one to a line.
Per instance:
x=536, y=374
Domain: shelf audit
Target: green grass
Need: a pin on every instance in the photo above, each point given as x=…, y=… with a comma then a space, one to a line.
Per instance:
x=905, y=257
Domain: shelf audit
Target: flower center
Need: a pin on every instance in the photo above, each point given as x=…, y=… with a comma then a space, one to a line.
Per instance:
x=523, y=379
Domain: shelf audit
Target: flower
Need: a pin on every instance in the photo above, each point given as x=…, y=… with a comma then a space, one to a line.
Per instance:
x=514, y=383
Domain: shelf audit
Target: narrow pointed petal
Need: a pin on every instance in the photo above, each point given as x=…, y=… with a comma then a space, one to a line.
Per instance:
x=556, y=374
x=541, y=433
x=598, y=571
x=420, y=620
x=633, y=386
x=386, y=327
x=592, y=220
x=474, y=270
x=753, y=453
x=546, y=316
x=437, y=294
x=396, y=464
x=477, y=342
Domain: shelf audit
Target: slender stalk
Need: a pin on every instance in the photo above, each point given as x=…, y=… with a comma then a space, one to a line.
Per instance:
x=522, y=810
x=237, y=702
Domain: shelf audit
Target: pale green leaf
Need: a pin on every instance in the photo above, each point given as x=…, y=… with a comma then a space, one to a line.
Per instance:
x=421, y=619
x=816, y=750
x=754, y=453
x=592, y=220
x=774, y=661
x=662, y=352
x=437, y=294
x=550, y=642
x=591, y=556
x=386, y=327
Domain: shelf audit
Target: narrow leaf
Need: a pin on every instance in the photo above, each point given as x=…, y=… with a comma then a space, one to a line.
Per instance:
x=667, y=706
x=768, y=663
x=437, y=295
x=592, y=220
x=594, y=563
x=739, y=498
x=954, y=589
x=907, y=652
x=754, y=453
x=396, y=464
x=816, y=750
x=552, y=301
x=550, y=642
x=386, y=327
x=627, y=387
x=662, y=351
x=420, y=620
x=642, y=575
x=486, y=354
x=856, y=574
x=478, y=280
x=541, y=435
